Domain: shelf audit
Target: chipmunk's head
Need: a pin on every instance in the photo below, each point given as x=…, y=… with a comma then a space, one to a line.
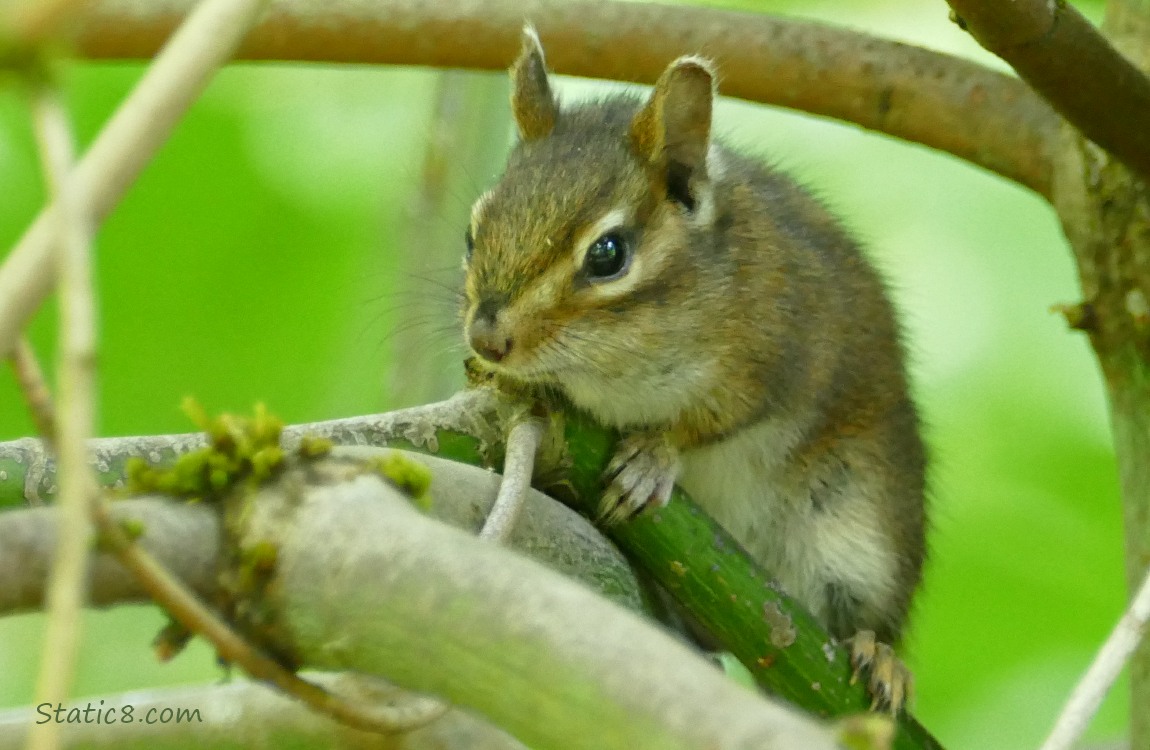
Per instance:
x=578, y=259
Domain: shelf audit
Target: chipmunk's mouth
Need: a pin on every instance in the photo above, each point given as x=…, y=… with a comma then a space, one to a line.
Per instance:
x=520, y=365
x=506, y=344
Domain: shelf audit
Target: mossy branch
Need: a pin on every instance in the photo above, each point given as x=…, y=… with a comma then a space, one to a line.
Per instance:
x=689, y=554
x=185, y=538
x=362, y=580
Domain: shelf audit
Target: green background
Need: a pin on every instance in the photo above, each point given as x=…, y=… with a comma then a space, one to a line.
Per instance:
x=257, y=259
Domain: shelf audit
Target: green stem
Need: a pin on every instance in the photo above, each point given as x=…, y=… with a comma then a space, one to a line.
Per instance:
x=787, y=651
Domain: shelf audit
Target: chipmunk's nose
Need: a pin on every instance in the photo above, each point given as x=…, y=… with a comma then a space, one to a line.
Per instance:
x=486, y=335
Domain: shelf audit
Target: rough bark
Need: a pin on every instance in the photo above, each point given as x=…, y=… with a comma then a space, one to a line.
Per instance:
x=1064, y=58
x=1105, y=212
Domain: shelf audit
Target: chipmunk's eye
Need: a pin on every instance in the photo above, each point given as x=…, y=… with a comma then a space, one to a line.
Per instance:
x=467, y=238
x=608, y=256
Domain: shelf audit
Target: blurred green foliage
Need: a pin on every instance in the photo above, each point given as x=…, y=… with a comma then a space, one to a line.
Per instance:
x=254, y=260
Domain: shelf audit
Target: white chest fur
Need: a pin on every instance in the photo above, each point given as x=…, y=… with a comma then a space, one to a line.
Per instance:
x=654, y=396
x=747, y=484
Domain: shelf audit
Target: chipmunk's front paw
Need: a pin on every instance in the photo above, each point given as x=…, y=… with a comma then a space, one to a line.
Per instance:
x=642, y=475
x=890, y=683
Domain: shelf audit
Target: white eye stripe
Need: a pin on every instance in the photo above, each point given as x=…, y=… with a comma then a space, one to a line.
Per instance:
x=613, y=219
x=615, y=288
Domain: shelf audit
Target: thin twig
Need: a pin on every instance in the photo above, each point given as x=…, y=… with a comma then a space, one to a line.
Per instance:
x=522, y=444
x=173, y=81
x=133, y=135
x=30, y=379
x=76, y=379
x=1066, y=60
x=183, y=605
x=1088, y=694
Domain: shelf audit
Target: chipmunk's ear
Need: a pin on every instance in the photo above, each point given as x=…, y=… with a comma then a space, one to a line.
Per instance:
x=673, y=129
x=532, y=103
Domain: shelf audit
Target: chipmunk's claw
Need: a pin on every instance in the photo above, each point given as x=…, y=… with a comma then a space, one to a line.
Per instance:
x=642, y=474
x=890, y=683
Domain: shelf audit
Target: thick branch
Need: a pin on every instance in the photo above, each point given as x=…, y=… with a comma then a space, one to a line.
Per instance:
x=1059, y=53
x=453, y=615
x=28, y=471
x=27, y=23
x=573, y=670
x=926, y=97
x=1105, y=213
x=785, y=649
x=186, y=540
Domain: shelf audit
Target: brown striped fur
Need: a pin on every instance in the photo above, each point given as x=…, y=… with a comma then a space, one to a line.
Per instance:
x=750, y=334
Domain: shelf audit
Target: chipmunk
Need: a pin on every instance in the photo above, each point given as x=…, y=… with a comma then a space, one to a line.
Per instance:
x=714, y=312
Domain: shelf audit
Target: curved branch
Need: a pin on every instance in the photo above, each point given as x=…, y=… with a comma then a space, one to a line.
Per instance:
x=567, y=663
x=461, y=614
x=1061, y=55
x=185, y=539
x=926, y=97
x=522, y=443
x=23, y=25
x=722, y=586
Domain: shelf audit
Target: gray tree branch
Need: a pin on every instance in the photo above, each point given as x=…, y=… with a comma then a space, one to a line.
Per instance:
x=449, y=614
x=186, y=540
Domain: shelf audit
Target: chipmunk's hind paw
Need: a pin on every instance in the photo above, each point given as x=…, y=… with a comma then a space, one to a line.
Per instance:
x=889, y=682
x=642, y=475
